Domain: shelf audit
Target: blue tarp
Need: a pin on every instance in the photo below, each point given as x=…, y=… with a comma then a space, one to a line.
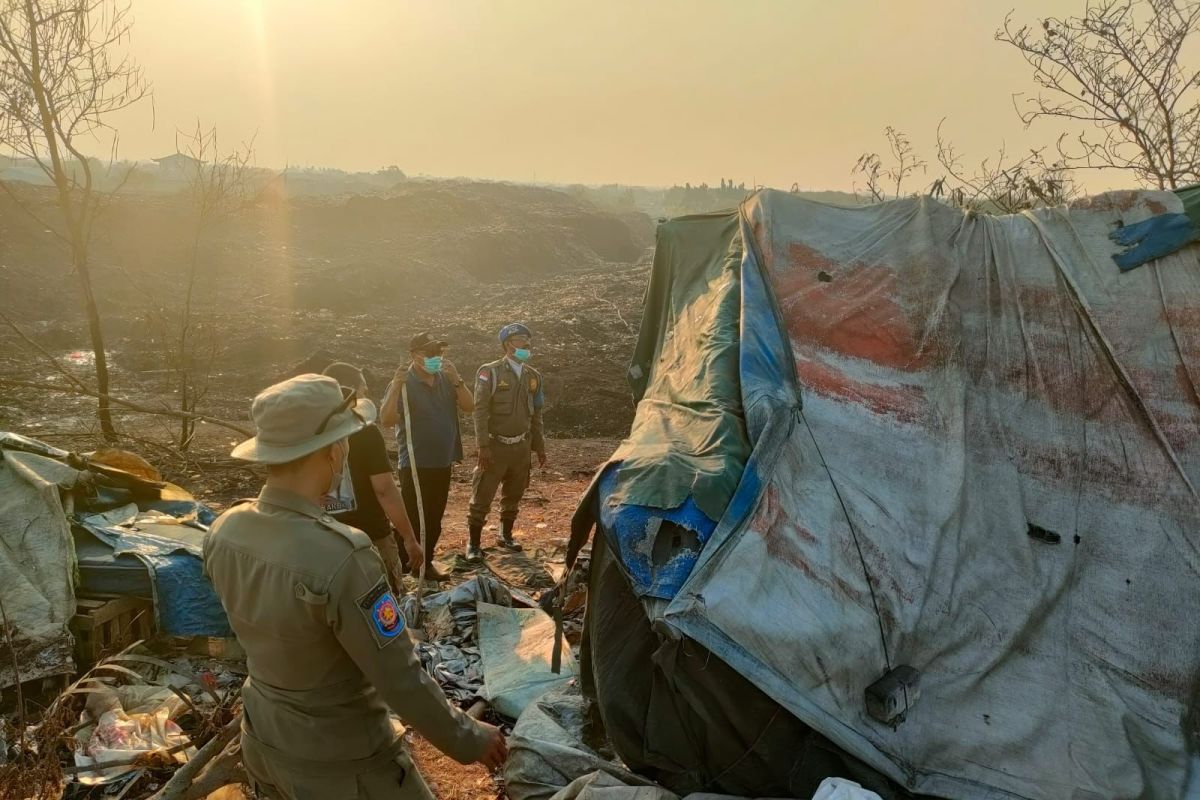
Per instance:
x=633, y=530
x=184, y=600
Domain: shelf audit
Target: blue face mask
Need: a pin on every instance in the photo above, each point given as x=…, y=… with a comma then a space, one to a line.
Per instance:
x=433, y=364
x=521, y=354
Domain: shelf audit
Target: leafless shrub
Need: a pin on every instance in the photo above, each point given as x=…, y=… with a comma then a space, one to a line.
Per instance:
x=1004, y=184
x=885, y=179
x=62, y=75
x=219, y=186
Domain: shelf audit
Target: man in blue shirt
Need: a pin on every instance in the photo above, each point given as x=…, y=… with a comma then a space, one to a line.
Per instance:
x=435, y=393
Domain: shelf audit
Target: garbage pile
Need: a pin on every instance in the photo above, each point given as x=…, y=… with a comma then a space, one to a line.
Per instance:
x=445, y=628
x=126, y=728
x=558, y=751
x=103, y=526
x=101, y=573
x=479, y=643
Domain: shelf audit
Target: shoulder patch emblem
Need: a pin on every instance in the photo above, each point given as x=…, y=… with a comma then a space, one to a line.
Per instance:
x=382, y=613
x=533, y=384
x=483, y=376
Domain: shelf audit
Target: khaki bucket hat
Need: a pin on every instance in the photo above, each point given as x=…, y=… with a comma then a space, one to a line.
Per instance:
x=300, y=416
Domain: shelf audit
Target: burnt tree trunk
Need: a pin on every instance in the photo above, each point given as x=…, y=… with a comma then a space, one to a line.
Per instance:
x=96, y=335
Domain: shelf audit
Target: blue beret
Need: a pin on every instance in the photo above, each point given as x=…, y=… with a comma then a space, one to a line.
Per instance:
x=514, y=329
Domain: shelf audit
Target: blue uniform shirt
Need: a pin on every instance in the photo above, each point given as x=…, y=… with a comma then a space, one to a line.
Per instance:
x=436, y=438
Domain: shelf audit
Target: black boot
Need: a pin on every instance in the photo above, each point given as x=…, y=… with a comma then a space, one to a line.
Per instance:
x=506, y=537
x=474, y=535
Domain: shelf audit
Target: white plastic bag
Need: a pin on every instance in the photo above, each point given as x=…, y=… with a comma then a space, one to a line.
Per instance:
x=130, y=721
x=842, y=789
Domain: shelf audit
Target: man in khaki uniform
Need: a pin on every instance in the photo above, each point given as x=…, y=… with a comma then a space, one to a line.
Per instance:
x=326, y=645
x=508, y=426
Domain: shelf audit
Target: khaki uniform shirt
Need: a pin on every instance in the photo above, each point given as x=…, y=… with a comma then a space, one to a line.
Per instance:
x=326, y=645
x=507, y=404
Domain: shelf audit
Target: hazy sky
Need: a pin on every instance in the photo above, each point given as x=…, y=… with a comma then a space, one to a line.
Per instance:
x=634, y=91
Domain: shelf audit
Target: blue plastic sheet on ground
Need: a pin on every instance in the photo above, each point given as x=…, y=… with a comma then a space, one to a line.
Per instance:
x=184, y=600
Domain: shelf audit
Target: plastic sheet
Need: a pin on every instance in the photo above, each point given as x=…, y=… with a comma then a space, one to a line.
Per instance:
x=129, y=721
x=975, y=450
x=549, y=749
x=517, y=645
x=37, y=560
x=450, y=652
x=172, y=552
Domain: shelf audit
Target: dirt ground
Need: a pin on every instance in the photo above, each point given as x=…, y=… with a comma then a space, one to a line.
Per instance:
x=542, y=528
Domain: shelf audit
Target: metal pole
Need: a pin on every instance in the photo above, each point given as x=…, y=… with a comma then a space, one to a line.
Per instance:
x=412, y=468
x=560, y=592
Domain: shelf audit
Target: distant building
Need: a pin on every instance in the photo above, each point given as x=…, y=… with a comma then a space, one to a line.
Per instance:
x=177, y=164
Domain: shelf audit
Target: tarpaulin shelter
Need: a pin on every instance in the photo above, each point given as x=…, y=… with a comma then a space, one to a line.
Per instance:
x=69, y=523
x=904, y=435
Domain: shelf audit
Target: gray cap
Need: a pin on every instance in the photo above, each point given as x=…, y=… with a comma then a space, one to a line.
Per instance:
x=300, y=416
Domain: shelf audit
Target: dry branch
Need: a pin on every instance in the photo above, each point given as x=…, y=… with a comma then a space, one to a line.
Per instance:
x=54, y=362
x=141, y=759
x=880, y=177
x=615, y=307
x=177, y=788
x=224, y=770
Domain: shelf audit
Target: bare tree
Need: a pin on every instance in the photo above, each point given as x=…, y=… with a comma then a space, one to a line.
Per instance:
x=219, y=186
x=1116, y=69
x=884, y=177
x=1002, y=184
x=61, y=76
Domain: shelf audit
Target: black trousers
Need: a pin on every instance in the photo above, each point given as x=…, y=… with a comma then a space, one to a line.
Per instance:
x=435, y=488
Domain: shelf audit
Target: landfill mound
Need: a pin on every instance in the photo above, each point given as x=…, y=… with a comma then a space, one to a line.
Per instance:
x=354, y=277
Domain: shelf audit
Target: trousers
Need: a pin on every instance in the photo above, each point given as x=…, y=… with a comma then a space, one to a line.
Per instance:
x=509, y=472
x=435, y=488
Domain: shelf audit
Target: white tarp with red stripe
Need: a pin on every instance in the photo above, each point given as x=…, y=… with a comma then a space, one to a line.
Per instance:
x=1002, y=430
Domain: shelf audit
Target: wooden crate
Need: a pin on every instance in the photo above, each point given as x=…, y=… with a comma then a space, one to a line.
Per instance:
x=104, y=624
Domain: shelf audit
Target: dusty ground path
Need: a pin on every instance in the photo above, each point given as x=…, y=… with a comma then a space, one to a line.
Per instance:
x=551, y=500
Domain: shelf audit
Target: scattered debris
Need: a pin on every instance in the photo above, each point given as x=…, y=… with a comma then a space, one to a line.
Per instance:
x=128, y=723
x=128, y=727
x=450, y=650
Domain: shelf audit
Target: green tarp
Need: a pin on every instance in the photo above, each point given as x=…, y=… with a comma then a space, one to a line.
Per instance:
x=693, y=443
